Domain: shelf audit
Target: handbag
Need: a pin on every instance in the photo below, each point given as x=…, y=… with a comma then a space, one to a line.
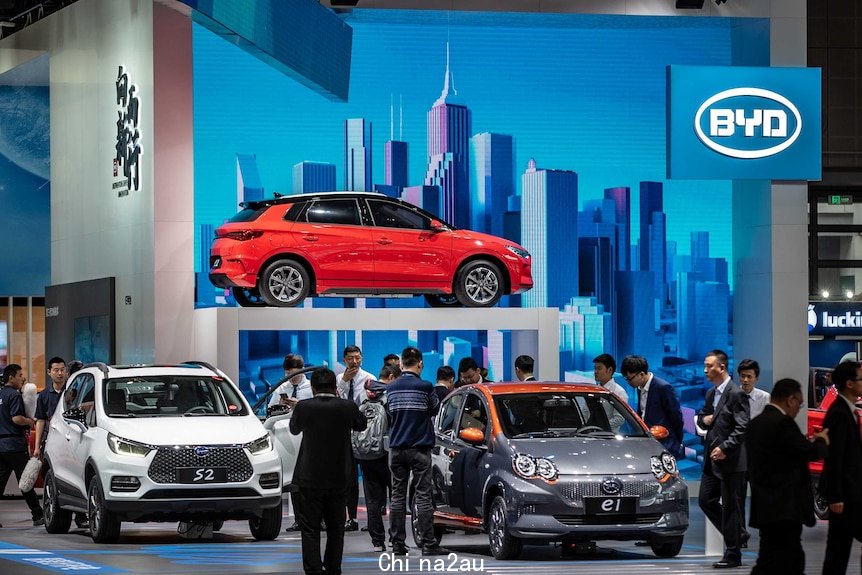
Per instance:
x=29, y=475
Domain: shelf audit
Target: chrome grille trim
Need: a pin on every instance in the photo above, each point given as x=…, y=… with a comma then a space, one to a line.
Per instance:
x=575, y=491
x=167, y=459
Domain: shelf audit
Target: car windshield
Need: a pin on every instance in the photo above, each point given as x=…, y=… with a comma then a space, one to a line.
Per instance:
x=171, y=396
x=562, y=414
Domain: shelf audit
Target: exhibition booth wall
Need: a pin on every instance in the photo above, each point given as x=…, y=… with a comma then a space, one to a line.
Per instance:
x=570, y=98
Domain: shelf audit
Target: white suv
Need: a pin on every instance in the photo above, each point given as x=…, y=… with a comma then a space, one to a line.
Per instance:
x=158, y=443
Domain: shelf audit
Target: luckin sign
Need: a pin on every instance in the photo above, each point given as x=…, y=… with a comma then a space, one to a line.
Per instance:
x=835, y=318
x=743, y=123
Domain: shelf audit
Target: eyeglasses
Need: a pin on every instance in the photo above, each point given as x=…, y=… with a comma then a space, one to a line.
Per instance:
x=629, y=378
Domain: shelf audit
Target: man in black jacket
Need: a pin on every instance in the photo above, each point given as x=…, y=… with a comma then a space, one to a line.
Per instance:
x=323, y=470
x=722, y=485
x=781, y=497
x=840, y=481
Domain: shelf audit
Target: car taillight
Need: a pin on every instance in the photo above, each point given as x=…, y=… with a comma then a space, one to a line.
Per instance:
x=242, y=235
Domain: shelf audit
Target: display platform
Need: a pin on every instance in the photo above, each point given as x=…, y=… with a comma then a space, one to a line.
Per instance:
x=217, y=330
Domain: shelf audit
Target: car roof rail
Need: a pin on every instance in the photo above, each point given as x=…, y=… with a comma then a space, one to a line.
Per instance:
x=201, y=364
x=100, y=365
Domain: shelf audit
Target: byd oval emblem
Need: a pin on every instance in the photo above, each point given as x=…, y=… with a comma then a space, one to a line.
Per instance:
x=748, y=123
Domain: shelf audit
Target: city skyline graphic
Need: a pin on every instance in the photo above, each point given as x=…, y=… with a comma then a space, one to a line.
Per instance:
x=561, y=150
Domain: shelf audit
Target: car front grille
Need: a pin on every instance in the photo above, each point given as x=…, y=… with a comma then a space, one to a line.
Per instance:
x=168, y=459
x=608, y=519
x=575, y=491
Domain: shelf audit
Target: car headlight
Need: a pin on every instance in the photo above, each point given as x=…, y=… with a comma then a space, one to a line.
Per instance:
x=524, y=465
x=520, y=252
x=546, y=469
x=656, y=467
x=530, y=467
x=259, y=446
x=122, y=446
x=668, y=461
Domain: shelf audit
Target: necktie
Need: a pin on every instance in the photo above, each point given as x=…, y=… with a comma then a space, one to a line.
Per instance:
x=293, y=394
x=350, y=391
x=642, y=401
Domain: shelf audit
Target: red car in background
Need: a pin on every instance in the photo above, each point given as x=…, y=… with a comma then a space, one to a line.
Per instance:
x=278, y=252
x=821, y=394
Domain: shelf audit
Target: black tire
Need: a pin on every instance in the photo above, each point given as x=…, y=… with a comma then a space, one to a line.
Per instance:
x=218, y=524
x=821, y=507
x=104, y=525
x=246, y=297
x=417, y=536
x=503, y=544
x=57, y=519
x=268, y=526
x=284, y=283
x=666, y=547
x=442, y=300
x=479, y=284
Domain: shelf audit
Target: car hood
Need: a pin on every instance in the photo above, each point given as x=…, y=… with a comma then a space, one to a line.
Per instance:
x=585, y=456
x=486, y=239
x=199, y=430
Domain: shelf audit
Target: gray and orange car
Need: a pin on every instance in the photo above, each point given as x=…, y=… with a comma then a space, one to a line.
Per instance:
x=541, y=462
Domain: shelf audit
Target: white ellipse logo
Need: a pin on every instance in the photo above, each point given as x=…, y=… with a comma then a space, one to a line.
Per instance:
x=724, y=122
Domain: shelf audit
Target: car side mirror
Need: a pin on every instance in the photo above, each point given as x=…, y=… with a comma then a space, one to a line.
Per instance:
x=76, y=414
x=659, y=432
x=437, y=227
x=472, y=435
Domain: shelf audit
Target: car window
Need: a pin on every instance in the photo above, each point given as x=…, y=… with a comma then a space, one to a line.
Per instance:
x=171, y=396
x=391, y=215
x=449, y=415
x=86, y=398
x=558, y=414
x=292, y=213
x=344, y=212
x=248, y=214
x=71, y=394
x=474, y=415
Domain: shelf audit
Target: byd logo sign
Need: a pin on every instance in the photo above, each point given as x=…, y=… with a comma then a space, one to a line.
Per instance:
x=748, y=123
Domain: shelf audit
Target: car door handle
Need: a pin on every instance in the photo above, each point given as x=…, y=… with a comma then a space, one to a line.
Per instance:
x=310, y=238
x=384, y=241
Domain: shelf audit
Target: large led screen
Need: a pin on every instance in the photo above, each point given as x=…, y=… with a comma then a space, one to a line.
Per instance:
x=559, y=145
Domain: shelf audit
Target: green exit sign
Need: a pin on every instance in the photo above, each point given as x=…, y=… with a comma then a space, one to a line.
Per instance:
x=840, y=200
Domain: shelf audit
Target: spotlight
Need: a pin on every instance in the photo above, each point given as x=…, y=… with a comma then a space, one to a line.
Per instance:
x=849, y=294
x=825, y=294
x=689, y=4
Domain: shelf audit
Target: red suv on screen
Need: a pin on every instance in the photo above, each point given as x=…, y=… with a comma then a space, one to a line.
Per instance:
x=278, y=252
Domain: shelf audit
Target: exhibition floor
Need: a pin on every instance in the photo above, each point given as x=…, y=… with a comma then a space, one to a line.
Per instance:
x=156, y=548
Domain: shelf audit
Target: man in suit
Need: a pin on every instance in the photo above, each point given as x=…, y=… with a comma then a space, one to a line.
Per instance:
x=722, y=486
x=657, y=402
x=323, y=470
x=781, y=497
x=840, y=482
x=524, y=365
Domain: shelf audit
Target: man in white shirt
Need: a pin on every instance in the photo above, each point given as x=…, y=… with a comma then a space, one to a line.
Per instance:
x=749, y=372
x=351, y=385
x=604, y=367
x=294, y=389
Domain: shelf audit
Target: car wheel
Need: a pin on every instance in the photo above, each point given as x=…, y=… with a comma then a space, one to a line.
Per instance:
x=503, y=544
x=821, y=507
x=268, y=526
x=57, y=519
x=104, y=525
x=666, y=547
x=417, y=534
x=437, y=300
x=479, y=284
x=284, y=283
x=247, y=297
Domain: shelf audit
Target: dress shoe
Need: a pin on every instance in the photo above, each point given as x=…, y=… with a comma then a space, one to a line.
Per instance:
x=434, y=550
x=399, y=549
x=380, y=548
x=38, y=521
x=294, y=527
x=351, y=525
x=727, y=564
x=81, y=521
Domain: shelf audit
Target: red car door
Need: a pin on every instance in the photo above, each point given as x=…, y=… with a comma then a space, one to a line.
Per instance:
x=331, y=236
x=408, y=253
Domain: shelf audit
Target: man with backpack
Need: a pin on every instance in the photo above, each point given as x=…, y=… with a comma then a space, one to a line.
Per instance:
x=369, y=450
